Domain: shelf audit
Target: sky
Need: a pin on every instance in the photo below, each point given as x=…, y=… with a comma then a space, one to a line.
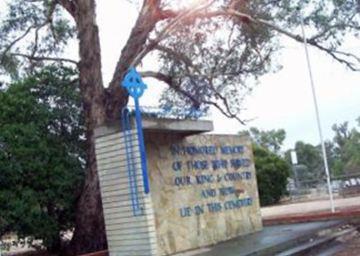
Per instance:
x=280, y=100
x=284, y=99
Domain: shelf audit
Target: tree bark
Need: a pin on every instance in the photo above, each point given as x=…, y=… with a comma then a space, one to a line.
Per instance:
x=89, y=233
x=100, y=106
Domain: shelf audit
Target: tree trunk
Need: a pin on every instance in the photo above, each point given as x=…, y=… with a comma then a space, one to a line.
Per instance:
x=89, y=233
x=101, y=105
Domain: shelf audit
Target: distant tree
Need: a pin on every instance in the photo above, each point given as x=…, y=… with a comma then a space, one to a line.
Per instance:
x=347, y=148
x=334, y=162
x=352, y=154
x=41, y=155
x=272, y=174
x=309, y=160
x=271, y=140
x=353, y=151
x=341, y=139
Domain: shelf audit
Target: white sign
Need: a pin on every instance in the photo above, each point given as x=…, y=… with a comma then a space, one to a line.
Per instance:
x=294, y=159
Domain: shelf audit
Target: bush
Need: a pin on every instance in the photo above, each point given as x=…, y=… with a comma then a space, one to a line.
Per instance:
x=272, y=173
x=41, y=156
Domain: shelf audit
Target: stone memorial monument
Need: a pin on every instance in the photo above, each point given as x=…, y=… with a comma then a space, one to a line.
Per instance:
x=202, y=188
x=172, y=188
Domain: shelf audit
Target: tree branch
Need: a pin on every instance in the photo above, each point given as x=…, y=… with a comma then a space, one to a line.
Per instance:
x=200, y=13
x=170, y=82
x=299, y=39
x=70, y=7
x=8, y=48
x=136, y=48
x=28, y=30
x=144, y=25
x=340, y=26
x=179, y=56
x=157, y=75
x=167, y=14
x=168, y=29
x=44, y=58
x=227, y=114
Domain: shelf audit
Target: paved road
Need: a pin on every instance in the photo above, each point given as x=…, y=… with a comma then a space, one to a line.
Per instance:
x=306, y=207
x=266, y=239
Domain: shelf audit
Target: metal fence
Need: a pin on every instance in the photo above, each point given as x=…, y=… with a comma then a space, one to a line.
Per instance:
x=315, y=189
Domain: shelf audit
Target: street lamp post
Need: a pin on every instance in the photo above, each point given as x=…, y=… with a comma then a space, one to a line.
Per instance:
x=318, y=116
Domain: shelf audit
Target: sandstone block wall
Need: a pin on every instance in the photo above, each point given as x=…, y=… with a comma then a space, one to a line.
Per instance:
x=203, y=191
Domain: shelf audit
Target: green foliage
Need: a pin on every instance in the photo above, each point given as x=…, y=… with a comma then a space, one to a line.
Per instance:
x=41, y=155
x=213, y=59
x=272, y=174
x=272, y=140
x=272, y=170
x=39, y=27
x=346, y=148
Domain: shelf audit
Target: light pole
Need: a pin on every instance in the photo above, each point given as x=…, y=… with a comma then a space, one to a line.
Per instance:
x=317, y=115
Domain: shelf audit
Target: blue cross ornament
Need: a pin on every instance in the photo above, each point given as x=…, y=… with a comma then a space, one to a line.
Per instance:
x=134, y=83
x=136, y=87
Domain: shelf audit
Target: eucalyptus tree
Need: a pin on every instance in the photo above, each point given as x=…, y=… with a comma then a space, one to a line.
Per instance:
x=210, y=53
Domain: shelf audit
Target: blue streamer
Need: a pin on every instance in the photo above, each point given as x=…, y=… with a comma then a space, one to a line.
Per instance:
x=138, y=209
x=142, y=147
